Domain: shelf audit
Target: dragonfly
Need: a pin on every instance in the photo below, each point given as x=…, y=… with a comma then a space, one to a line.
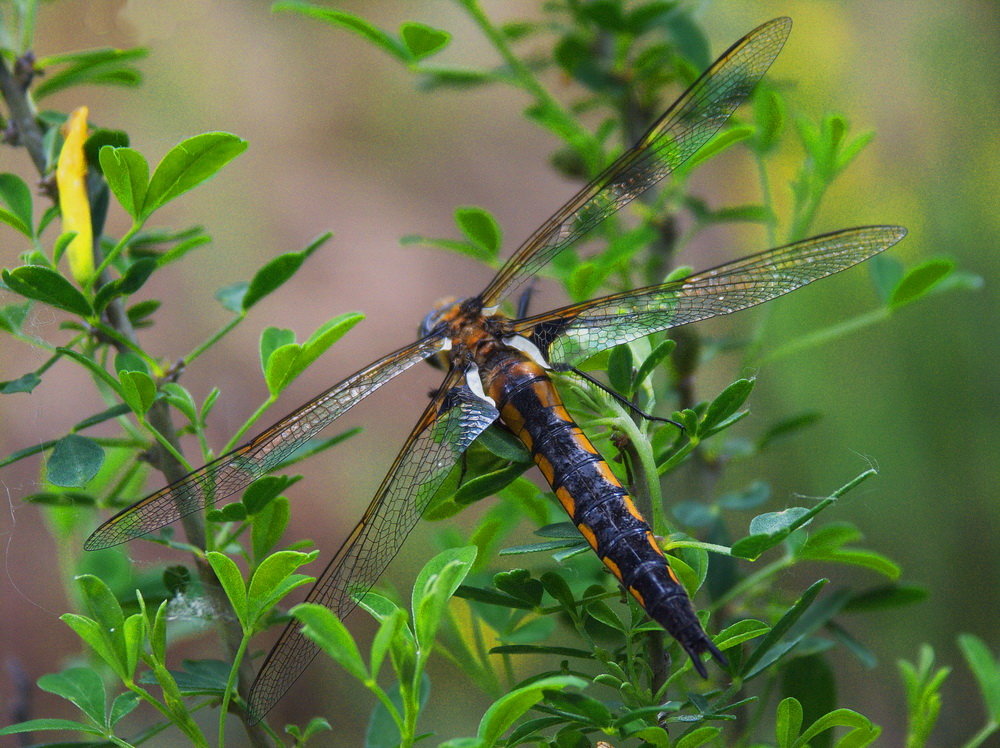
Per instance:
x=499, y=371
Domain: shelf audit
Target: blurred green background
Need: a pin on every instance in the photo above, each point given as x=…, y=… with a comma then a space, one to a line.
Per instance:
x=341, y=140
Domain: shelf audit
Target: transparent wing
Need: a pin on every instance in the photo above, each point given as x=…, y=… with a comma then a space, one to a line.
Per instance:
x=689, y=123
x=449, y=425
x=230, y=474
x=572, y=334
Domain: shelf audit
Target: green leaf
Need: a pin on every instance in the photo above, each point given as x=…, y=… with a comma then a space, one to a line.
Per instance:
x=769, y=648
x=272, y=579
x=451, y=245
x=12, y=316
x=315, y=726
x=768, y=530
x=123, y=705
x=101, y=603
x=840, y=718
x=74, y=461
x=885, y=596
x=481, y=229
x=278, y=271
x=82, y=686
x=63, y=498
x=520, y=584
x=16, y=223
x=101, y=138
x=653, y=360
x=16, y=196
x=504, y=445
x=556, y=586
x=101, y=67
x=620, y=368
x=46, y=285
x=384, y=637
x=698, y=737
x=231, y=296
x=271, y=339
x=787, y=427
x=288, y=361
x=811, y=680
x=187, y=165
x=34, y=725
x=201, y=677
x=920, y=281
x=234, y=512
x=135, y=277
x=423, y=41
x=488, y=484
x=749, y=498
x=769, y=118
x=581, y=708
x=130, y=361
x=127, y=174
x=986, y=669
x=231, y=580
x=180, y=398
x=826, y=544
x=105, y=630
x=740, y=632
x=351, y=22
x=264, y=490
x=132, y=638
x=726, y=404
x=719, y=143
x=140, y=312
x=24, y=383
x=92, y=634
x=434, y=586
x=885, y=272
x=788, y=722
x=138, y=390
x=329, y=633
x=537, y=649
x=506, y=710
x=923, y=694
x=742, y=214
x=490, y=597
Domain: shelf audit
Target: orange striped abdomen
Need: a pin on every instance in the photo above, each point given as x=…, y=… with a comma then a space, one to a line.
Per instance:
x=595, y=499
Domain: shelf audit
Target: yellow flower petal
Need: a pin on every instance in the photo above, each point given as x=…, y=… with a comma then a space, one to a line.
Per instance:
x=71, y=178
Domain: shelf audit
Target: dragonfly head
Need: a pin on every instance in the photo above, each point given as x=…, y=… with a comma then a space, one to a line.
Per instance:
x=438, y=320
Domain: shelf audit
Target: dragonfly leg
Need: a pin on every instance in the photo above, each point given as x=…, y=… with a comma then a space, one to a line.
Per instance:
x=623, y=400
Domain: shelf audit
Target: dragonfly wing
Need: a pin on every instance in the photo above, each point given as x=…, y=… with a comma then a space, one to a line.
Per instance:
x=689, y=123
x=449, y=425
x=230, y=474
x=569, y=335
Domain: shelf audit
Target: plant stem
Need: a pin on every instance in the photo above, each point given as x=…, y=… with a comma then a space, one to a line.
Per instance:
x=238, y=436
x=213, y=339
x=826, y=334
x=231, y=687
x=22, y=114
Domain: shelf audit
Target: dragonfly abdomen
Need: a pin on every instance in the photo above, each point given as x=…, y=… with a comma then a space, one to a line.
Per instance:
x=596, y=501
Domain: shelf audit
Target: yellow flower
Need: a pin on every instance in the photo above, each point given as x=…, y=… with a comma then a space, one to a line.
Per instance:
x=71, y=178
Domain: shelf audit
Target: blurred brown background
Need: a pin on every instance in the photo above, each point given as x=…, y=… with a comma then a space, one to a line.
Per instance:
x=341, y=140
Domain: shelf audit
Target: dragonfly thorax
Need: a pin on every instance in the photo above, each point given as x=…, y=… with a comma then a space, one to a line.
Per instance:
x=472, y=333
